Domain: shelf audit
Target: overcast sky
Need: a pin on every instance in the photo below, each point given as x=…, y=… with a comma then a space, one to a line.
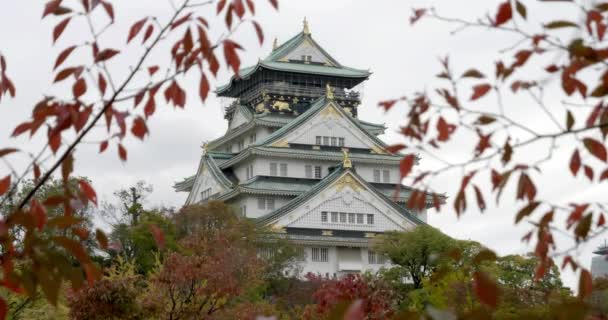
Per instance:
x=360, y=34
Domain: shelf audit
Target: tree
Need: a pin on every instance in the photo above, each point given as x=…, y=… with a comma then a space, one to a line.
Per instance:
x=475, y=108
x=130, y=204
x=90, y=89
x=417, y=251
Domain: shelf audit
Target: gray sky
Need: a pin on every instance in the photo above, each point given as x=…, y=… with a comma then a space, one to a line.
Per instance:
x=361, y=34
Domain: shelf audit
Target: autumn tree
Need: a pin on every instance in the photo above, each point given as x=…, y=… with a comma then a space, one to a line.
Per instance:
x=554, y=72
x=95, y=100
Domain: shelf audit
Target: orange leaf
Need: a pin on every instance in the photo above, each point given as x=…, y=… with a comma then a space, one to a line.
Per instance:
x=88, y=191
x=58, y=30
x=158, y=235
x=139, y=128
x=102, y=84
x=149, y=107
x=152, y=70
x=575, y=162
x=601, y=221
x=63, y=55
x=406, y=165
x=596, y=148
x=480, y=90
x=504, y=13
x=6, y=151
x=5, y=183
x=106, y=54
x=486, y=289
x=49, y=8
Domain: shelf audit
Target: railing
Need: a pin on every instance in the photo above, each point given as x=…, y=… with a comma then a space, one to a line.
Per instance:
x=279, y=88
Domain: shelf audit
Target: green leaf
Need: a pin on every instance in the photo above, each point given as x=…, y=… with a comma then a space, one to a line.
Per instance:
x=526, y=211
x=569, y=120
x=560, y=24
x=521, y=9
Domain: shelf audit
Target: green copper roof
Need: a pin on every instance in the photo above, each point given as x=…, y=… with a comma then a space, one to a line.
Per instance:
x=208, y=161
x=325, y=182
x=272, y=63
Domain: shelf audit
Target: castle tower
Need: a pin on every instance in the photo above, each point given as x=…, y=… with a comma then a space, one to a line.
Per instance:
x=599, y=263
x=296, y=157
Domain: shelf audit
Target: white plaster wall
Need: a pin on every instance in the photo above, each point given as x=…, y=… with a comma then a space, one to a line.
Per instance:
x=251, y=201
x=237, y=119
x=331, y=267
x=320, y=125
x=203, y=181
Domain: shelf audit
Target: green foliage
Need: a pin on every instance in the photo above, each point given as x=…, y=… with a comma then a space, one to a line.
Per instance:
x=417, y=251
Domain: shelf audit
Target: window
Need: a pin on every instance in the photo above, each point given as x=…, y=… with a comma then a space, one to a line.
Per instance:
x=324, y=216
x=370, y=219
x=252, y=138
x=266, y=253
x=376, y=175
x=273, y=169
x=334, y=141
x=334, y=217
x=318, y=172
x=265, y=203
x=249, y=172
x=320, y=254
x=283, y=169
x=386, y=176
x=351, y=218
x=326, y=141
x=342, y=217
x=340, y=142
x=206, y=194
x=318, y=140
x=241, y=145
x=359, y=218
x=375, y=258
x=229, y=149
x=244, y=210
x=308, y=171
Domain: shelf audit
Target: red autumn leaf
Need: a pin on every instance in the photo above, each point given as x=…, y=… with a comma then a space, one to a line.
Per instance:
x=596, y=148
x=36, y=171
x=109, y=9
x=569, y=261
x=251, y=6
x=275, y=4
x=152, y=70
x=406, y=165
x=220, y=6
x=79, y=88
x=158, y=235
x=231, y=56
x=102, y=84
x=6, y=151
x=395, y=148
x=88, y=191
x=203, y=87
x=103, y=146
x=58, y=30
x=601, y=220
x=480, y=201
x=503, y=14
x=63, y=55
x=588, y=172
x=575, y=162
x=63, y=74
x=552, y=68
x=102, y=239
x=106, y=54
x=135, y=29
x=444, y=129
x=21, y=129
x=388, y=104
x=416, y=15
x=585, y=284
x=5, y=184
x=122, y=152
x=150, y=107
x=3, y=309
x=258, y=31
x=486, y=289
x=139, y=128
x=180, y=21
x=49, y=8
x=480, y=90
x=38, y=212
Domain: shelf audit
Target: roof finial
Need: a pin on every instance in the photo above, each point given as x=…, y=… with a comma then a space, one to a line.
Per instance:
x=306, y=30
x=275, y=44
x=346, y=163
x=329, y=92
x=205, y=147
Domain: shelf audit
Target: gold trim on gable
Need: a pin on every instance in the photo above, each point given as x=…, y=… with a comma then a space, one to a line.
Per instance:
x=376, y=149
x=348, y=181
x=281, y=144
x=330, y=112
